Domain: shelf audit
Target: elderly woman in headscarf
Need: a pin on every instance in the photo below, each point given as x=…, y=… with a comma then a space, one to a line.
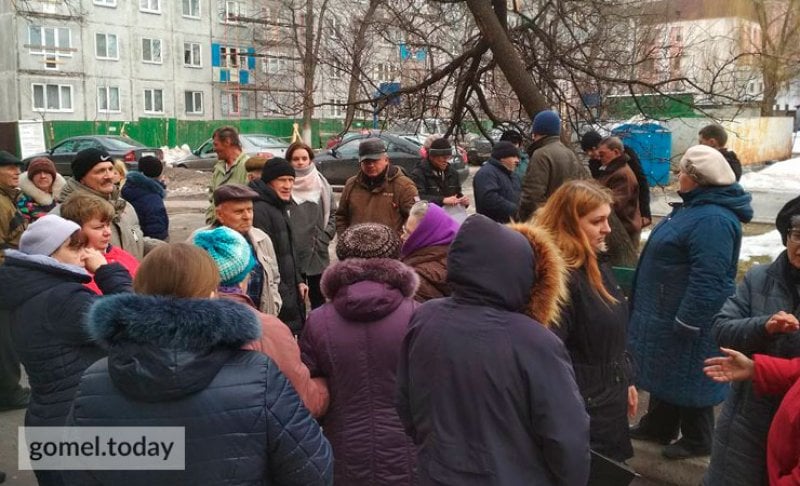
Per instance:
x=761, y=318
x=427, y=235
x=311, y=218
x=685, y=273
x=40, y=185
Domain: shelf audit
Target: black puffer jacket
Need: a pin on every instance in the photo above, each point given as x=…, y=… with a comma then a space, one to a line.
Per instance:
x=146, y=195
x=270, y=216
x=434, y=185
x=178, y=362
x=738, y=454
x=48, y=303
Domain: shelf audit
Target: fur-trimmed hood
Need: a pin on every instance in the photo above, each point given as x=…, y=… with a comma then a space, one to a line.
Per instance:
x=550, y=291
x=161, y=348
x=514, y=267
x=368, y=289
x=42, y=198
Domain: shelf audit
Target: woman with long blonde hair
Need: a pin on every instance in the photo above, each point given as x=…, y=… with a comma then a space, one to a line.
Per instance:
x=594, y=324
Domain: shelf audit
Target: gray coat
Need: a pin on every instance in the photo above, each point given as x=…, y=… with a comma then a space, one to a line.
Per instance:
x=312, y=235
x=738, y=456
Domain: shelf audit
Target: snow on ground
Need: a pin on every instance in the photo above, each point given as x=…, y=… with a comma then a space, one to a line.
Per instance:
x=767, y=244
x=175, y=153
x=796, y=146
x=779, y=177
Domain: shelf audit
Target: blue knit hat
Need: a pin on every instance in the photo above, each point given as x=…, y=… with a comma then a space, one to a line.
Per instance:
x=546, y=123
x=230, y=252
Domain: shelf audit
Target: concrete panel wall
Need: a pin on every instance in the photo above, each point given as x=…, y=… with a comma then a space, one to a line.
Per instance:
x=754, y=139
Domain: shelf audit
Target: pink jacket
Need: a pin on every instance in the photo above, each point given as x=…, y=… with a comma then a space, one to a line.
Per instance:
x=278, y=343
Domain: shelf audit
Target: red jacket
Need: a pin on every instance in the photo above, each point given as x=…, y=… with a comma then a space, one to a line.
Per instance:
x=776, y=376
x=117, y=254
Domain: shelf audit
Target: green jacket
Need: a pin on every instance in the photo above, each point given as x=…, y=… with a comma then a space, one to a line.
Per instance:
x=12, y=223
x=237, y=174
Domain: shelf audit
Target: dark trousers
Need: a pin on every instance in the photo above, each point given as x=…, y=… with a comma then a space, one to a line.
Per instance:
x=9, y=363
x=696, y=425
x=314, y=291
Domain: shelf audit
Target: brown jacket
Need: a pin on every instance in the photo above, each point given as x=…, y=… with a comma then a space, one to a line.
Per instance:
x=430, y=263
x=278, y=343
x=388, y=203
x=12, y=223
x=619, y=177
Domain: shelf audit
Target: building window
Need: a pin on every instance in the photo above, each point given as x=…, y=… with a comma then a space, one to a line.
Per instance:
x=233, y=57
x=108, y=99
x=105, y=46
x=52, y=97
x=337, y=108
x=153, y=101
x=194, y=102
x=336, y=69
x=51, y=43
x=191, y=54
x=231, y=103
x=150, y=6
x=151, y=51
x=191, y=8
x=105, y=3
x=232, y=12
x=274, y=65
x=384, y=72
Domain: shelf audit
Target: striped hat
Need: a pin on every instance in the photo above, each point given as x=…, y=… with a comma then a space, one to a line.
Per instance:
x=230, y=252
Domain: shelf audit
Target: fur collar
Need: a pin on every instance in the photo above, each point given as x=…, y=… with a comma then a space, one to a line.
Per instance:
x=168, y=322
x=47, y=263
x=549, y=293
x=42, y=198
x=383, y=270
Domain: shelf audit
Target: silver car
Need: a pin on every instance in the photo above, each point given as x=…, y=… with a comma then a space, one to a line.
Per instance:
x=253, y=144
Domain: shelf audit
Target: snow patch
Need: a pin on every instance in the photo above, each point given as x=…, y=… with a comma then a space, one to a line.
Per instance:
x=171, y=155
x=779, y=177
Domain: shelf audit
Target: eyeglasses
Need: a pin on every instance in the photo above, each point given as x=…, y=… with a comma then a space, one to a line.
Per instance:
x=794, y=236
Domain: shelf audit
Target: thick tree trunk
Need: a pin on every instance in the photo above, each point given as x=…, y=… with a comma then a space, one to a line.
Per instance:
x=309, y=69
x=507, y=57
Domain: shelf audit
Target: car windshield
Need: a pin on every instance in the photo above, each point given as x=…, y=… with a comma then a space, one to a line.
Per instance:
x=264, y=141
x=120, y=143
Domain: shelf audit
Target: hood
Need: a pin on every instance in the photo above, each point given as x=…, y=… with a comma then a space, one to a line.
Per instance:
x=515, y=268
x=163, y=348
x=732, y=197
x=267, y=193
x=138, y=184
x=25, y=277
x=42, y=198
x=368, y=289
x=436, y=228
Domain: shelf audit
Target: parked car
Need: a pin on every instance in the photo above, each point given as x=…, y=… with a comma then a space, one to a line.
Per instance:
x=126, y=149
x=253, y=144
x=479, y=149
x=341, y=162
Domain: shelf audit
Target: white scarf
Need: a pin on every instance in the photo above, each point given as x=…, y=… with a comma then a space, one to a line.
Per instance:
x=310, y=186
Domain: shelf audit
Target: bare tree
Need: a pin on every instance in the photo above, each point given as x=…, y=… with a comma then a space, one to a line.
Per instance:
x=777, y=47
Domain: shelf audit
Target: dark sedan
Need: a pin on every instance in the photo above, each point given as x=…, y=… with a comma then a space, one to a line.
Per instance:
x=123, y=148
x=341, y=162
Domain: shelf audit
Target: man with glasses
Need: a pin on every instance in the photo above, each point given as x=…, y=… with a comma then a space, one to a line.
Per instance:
x=379, y=193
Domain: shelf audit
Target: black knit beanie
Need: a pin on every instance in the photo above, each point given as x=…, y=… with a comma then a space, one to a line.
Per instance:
x=368, y=240
x=502, y=150
x=784, y=220
x=86, y=159
x=276, y=167
x=150, y=166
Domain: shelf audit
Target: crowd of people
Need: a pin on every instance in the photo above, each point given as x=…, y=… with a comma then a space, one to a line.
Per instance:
x=434, y=349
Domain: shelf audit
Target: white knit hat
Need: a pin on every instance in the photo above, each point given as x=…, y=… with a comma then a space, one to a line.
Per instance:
x=46, y=235
x=707, y=166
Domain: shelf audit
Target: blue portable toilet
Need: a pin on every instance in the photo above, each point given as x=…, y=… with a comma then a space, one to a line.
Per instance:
x=653, y=144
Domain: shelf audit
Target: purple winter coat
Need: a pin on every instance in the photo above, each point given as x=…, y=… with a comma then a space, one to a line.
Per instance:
x=354, y=341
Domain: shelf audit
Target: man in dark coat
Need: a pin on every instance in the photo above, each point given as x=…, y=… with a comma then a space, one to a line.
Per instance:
x=12, y=224
x=715, y=136
x=496, y=186
x=270, y=216
x=146, y=194
x=436, y=180
x=589, y=143
x=615, y=174
x=525, y=421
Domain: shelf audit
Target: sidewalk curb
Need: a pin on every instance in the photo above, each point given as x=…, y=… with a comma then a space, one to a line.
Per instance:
x=648, y=461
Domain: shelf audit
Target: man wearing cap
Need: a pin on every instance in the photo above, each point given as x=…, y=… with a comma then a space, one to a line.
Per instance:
x=93, y=173
x=436, y=180
x=270, y=215
x=552, y=163
x=230, y=168
x=233, y=208
x=496, y=185
x=379, y=193
x=12, y=225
